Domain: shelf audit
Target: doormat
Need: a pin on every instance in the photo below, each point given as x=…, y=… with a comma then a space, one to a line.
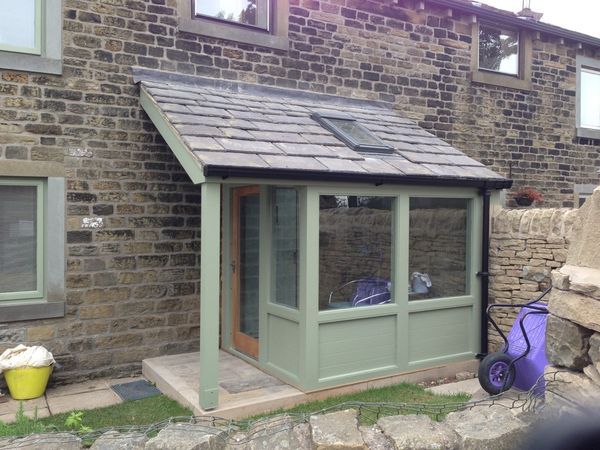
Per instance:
x=135, y=390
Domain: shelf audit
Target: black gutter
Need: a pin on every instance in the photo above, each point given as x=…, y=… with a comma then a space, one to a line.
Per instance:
x=378, y=179
x=511, y=19
x=484, y=274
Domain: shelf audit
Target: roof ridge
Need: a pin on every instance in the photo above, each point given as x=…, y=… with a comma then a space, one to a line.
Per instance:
x=141, y=74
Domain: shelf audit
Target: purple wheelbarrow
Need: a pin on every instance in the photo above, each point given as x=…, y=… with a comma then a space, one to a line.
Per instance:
x=523, y=358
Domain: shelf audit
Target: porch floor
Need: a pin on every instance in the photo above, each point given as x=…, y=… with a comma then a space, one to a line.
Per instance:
x=244, y=390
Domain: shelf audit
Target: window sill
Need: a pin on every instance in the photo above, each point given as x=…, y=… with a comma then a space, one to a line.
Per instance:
x=17, y=312
x=588, y=133
x=30, y=63
x=497, y=79
x=232, y=32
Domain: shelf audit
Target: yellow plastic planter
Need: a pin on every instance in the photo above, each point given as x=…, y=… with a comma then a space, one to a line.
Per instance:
x=25, y=383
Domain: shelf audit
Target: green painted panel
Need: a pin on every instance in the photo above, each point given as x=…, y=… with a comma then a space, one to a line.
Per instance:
x=284, y=344
x=356, y=346
x=439, y=333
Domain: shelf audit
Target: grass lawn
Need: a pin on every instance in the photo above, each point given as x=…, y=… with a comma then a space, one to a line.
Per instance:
x=399, y=393
x=158, y=408
x=136, y=412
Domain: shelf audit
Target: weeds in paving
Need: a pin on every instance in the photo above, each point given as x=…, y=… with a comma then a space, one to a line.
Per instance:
x=22, y=425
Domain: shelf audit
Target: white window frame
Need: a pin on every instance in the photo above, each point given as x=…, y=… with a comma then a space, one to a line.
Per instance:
x=46, y=57
x=585, y=63
x=40, y=186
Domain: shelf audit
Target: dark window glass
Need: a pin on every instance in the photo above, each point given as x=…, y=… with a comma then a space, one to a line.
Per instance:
x=355, y=251
x=438, y=240
x=247, y=12
x=285, y=247
x=18, y=239
x=498, y=49
x=249, y=264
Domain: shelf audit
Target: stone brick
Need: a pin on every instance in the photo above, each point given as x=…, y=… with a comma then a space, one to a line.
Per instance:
x=567, y=344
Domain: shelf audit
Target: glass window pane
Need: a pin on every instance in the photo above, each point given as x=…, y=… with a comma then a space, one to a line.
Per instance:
x=18, y=240
x=249, y=12
x=498, y=50
x=359, y=134
x=590, y=99
x=355, y=251
x=249, y=263
x=285, y=247
x=438, y=242
x=17, y=23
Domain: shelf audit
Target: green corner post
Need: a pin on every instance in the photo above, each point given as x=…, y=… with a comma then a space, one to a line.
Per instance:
x=210, y=221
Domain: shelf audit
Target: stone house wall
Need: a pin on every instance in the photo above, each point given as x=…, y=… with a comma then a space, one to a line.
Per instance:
x=526, y=246
x=132, y=286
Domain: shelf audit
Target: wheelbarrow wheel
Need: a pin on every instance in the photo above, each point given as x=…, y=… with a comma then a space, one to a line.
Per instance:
x=494, y=376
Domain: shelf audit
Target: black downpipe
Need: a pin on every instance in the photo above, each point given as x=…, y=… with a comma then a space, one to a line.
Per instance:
x=485, y=265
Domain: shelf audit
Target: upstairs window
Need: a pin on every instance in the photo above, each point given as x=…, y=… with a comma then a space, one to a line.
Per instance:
x=261, y=23
x=31, y=35
x=588, y=97
x=501, y=56
x=498, y=50
x=253, y=13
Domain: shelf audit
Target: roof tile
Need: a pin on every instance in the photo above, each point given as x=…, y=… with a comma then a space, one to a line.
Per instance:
x=293, y=162
x=341, y=165
x=305, y=149
x=273, y=136
x=230, y=159
x=245, y=146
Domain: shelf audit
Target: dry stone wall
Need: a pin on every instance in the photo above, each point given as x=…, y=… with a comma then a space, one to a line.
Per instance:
x=573, y=339
x=525, y=246
x=480, y=428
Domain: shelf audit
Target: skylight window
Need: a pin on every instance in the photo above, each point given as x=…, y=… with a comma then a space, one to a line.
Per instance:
x=351, y=132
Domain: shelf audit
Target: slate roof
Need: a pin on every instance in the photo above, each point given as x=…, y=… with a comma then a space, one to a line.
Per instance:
x=235, y=129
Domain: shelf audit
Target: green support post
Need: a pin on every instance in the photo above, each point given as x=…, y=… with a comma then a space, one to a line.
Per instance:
x=210, y=221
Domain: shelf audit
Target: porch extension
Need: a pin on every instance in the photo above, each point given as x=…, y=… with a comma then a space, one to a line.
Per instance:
x=245, y=390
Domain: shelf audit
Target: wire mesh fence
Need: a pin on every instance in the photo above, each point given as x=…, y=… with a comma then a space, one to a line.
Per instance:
x=241, y=432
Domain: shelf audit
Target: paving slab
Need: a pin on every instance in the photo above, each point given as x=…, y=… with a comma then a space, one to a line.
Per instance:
x=9, y=408
x=470, y=386
x=82, y=401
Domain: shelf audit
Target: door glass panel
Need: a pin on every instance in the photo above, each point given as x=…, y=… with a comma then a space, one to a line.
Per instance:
x=438, y=241
x=249, y=252
x=355, y=251
x=18, y=238
x=285, y=247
